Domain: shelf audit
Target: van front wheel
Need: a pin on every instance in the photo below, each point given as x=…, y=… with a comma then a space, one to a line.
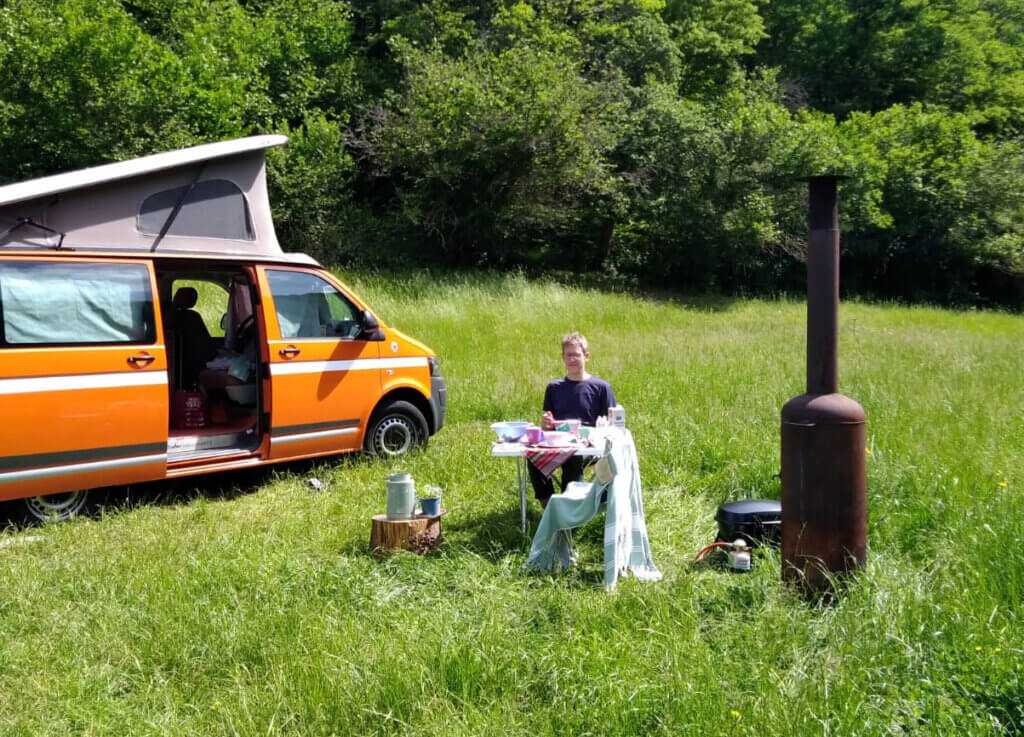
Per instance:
x=55, y=507
x=395, y=429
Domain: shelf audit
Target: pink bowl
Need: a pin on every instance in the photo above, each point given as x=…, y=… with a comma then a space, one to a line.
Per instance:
x=534, y=435
x=558, y=438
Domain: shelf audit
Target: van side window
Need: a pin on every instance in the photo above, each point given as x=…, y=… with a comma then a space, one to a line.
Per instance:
x=44, y=303
x=214, y=208
x=309, y=307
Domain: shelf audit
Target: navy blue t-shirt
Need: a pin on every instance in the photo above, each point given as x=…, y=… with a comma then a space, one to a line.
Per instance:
x=579, y=400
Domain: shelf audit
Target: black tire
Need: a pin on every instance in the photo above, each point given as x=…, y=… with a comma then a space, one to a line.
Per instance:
x=55, y=507
x=396, y=428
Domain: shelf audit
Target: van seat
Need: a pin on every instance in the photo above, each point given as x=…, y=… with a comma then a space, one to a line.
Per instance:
x=192, y=344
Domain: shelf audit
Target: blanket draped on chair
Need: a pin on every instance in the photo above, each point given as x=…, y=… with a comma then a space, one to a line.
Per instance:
x=627, y=547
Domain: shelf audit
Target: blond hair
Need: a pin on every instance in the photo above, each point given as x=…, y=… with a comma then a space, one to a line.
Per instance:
x=578, y=339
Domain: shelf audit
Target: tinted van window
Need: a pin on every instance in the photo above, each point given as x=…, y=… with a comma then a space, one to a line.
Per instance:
x=309, y=307
x=45, y=303
x=215, y=208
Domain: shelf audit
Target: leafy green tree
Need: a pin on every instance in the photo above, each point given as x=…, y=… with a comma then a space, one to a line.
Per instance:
x=449, y=26
x=81, y=83
x=930, y=208
x=260, y=63
x=717, y=205
x=656, y=138
x=492, y=153
x=713, y=39
x=86, y=81
x=311, y=191
x=868, y=55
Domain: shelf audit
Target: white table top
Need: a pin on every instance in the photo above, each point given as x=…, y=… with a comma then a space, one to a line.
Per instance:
x=512, y=450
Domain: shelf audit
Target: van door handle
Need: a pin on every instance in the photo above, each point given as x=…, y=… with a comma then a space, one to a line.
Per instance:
x=143, y=359
x=289, y=352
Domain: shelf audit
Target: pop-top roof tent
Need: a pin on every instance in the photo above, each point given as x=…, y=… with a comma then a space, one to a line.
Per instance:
x=209, y=200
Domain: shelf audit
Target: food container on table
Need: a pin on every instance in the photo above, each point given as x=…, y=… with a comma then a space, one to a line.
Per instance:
x=569, y=426
x=510, y=432
x=617, y=416
x=555, y=437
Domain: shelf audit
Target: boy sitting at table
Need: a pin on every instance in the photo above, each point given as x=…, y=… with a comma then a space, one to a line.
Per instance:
x=577, y=396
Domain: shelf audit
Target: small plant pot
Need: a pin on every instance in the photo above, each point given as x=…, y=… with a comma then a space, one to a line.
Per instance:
x=430, y=506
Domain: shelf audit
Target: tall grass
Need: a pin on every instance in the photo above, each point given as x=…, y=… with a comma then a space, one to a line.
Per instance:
x=264, y=612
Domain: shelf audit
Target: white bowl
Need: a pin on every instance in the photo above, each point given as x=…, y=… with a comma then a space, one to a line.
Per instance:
x=510, y=432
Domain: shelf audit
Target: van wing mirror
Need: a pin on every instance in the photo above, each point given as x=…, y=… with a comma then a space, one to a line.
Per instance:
x=370, y=327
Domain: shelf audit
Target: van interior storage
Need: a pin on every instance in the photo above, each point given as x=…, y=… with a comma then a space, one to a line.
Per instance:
x=212, y=339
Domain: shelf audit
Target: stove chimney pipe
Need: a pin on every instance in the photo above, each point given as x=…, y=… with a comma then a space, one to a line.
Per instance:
x=823, y=288
x=824, y=484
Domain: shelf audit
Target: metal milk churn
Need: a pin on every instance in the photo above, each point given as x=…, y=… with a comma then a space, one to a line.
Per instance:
x=401, y=496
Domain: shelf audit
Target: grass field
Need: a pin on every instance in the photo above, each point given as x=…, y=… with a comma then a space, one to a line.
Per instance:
x=254, y=607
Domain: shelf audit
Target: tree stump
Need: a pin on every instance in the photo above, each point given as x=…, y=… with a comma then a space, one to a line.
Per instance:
x=421, y=534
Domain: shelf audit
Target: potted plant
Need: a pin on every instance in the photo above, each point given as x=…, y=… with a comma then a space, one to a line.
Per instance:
x=430, y=501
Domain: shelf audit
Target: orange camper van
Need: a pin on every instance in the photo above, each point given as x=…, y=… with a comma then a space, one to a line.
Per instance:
x=152, y=327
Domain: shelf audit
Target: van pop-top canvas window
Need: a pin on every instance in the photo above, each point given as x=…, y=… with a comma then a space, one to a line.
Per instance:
x=214, y=208
x=75, y=303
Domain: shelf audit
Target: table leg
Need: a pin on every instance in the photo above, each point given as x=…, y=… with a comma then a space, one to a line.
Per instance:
x=521, y=476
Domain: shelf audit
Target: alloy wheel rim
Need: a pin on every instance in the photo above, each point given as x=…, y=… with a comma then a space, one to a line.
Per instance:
x=56, y=507
x=394, y=436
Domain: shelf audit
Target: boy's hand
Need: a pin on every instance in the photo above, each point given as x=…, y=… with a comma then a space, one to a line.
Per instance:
x=547, y=421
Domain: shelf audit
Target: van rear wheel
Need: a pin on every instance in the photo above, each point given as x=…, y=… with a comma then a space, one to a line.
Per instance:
x=396, y=429
x=55, y=507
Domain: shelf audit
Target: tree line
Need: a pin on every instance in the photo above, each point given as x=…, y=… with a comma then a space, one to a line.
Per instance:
x=652, y=140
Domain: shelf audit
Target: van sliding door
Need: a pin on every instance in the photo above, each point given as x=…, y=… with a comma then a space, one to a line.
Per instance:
x=325, y=380
x=83, y=376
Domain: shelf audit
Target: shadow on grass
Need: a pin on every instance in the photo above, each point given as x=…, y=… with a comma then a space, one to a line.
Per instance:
x=495, y=534
x=492, y=536
x=218, y=485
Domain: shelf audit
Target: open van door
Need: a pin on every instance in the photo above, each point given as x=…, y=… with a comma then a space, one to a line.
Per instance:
x=83, y=378
x=324, y=367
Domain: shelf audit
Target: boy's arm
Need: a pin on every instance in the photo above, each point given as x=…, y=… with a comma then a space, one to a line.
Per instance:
x=547, y=421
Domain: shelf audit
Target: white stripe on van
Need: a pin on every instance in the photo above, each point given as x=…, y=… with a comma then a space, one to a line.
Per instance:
x=358, y=364
x=312, y=435
x=82, y=381
x=42, y=473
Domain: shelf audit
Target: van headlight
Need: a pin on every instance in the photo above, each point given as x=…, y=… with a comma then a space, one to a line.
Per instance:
x=435, y=365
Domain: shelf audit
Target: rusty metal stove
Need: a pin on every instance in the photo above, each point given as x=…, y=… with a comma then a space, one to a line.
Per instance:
x=824, y=484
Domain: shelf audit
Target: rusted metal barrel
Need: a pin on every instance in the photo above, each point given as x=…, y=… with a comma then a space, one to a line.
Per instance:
x=824, y=513
x=824, y=480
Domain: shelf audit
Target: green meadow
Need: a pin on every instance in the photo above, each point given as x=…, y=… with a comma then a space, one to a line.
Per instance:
x=250, y=604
